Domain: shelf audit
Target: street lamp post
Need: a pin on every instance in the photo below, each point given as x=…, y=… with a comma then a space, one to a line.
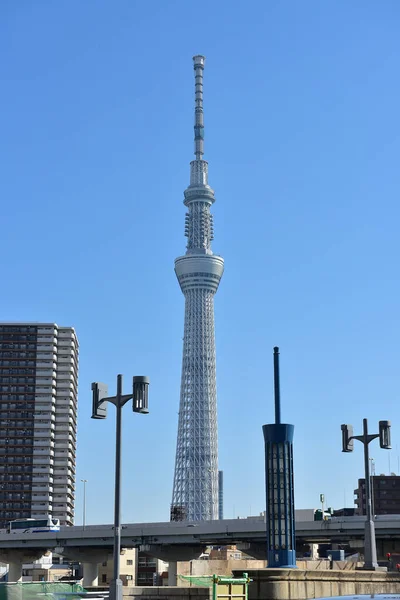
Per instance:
x=84, y=481
x=370, y=558
x=139, y=397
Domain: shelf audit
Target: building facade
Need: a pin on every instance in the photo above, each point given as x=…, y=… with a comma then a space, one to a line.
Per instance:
x=385, y=495
x=195, y=487
x=38, y=412
x=136, y=568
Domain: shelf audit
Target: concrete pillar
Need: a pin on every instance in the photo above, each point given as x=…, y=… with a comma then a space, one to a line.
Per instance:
x=15, y=571
x=15, y=559
x=314, y=551
x=172, y=573
x=90, y=574
x=90, y=558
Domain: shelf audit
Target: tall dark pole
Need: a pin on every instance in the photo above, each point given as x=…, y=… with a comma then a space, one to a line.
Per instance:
x=279, y=485
x=370, y=543
x=116, y=584
x=277, y=387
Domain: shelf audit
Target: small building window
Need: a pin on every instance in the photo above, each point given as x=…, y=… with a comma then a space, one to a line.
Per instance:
x=129, y=562
x=104, y=578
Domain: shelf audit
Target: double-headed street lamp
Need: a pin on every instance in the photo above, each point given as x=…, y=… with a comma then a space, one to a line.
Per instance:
x=139, y=405
x=370, y=559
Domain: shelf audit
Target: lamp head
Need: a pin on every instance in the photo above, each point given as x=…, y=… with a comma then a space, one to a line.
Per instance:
x=140, y=402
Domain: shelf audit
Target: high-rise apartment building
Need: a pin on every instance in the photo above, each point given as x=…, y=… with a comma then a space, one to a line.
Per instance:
x=38, y=412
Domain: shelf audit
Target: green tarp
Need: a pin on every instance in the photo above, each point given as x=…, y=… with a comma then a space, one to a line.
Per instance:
x=40, y=590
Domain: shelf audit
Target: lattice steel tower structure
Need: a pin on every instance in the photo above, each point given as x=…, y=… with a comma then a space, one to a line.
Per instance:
x=195, y=490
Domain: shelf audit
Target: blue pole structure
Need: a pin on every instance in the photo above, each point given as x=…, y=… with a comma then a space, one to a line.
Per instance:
x=280, y=516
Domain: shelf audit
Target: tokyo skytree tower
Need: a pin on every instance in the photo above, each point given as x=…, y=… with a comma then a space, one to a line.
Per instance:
x=195, y=491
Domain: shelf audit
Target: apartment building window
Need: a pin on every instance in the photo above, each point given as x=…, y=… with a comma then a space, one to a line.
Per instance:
x=145, y=579
x=104, y=578
x=129, y=562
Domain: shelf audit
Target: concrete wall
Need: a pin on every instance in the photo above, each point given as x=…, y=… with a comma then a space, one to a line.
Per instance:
x=215, y=567
x=296, y=584
x=325, y=565
x=226, y=567
x=167, y=593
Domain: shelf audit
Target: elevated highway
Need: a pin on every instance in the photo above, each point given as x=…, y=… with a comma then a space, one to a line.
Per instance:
x=174, y=542
x=228, y=531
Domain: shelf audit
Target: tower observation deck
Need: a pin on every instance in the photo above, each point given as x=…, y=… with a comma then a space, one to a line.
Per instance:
x=199, y=271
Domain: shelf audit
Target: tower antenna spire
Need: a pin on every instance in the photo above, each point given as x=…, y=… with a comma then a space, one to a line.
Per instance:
x=199, y=271
x=199, y=62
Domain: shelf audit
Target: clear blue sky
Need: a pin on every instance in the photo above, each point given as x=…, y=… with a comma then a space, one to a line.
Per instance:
x=303, y=140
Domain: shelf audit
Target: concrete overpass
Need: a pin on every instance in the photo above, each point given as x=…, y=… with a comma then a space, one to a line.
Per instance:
x=180, y=541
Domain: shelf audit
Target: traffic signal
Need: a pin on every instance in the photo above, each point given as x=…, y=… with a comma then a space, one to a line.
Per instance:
x=384, y=435
x=140, y=403
x=99, y=406
x=347, y=441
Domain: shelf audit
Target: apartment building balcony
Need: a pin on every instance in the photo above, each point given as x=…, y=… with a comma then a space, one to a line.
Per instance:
x=39, y=514
x=48, y=390
x=42, y=480
x=66, y=395
x=62, y=508
x=62, y=447
x=43, y=443
x=64, y=490
x=67, y=463
x=45, y=402
x=65, y=418
x=66, y=415
x=43, y=452
x=63, y=457
x=48, y=337
x=45, y=372
x=36, y=498
x=64, y=434
x=41, y=507
x=45, y=434
x=67, y=372
x=66, y=358
x=63, y=429
x=66, y=390
x=63, y=470
x=66, y=408
x=45, y=408
x=67, y=369
x=39, y=469
x=36, y=488
x=42, y=460
x=66, y=344
x=62, y=487
x=42, y=423
x=46, y=355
